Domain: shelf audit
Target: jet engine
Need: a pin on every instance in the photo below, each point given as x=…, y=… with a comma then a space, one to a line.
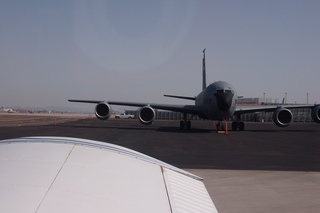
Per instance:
x=315, y=114
x=146, y=115
x=282, y=117
x=103, y=111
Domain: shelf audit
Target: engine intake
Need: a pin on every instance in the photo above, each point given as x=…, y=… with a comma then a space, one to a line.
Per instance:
x=315, y=114
x=282, y=117
x=103, y=111
x=146, y=115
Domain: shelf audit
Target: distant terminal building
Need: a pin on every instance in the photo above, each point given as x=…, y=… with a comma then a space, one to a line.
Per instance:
x=162, y=115
x=256, y=101
x=299, y=115
x=249, y=101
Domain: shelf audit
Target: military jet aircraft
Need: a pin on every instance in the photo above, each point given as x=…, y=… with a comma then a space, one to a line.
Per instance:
x=218, y=101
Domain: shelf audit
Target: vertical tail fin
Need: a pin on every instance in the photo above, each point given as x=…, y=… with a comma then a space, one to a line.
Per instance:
x=204, y=84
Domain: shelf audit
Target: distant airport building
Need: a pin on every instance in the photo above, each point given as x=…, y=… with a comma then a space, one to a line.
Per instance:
x=249, y=101
x=256, y=101
x=299, y=115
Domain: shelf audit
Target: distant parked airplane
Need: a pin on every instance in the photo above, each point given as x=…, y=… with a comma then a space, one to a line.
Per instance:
x=216, y=102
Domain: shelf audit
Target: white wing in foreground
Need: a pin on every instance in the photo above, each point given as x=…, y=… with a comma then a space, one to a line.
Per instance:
x=55, y=174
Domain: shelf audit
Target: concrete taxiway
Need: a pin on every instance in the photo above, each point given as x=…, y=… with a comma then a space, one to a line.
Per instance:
x=263, y=169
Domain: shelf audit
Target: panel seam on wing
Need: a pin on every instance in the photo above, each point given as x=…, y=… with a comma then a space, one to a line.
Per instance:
x=165, y=185
x=55, y=178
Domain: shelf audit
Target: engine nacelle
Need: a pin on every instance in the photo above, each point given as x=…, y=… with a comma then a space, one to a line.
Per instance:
x=282, y=117
x=103, y=111
x=315, y=114
x=146, y=115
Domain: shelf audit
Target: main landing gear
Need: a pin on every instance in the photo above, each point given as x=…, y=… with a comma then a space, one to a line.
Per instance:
x=185, y=123
x=237, y=125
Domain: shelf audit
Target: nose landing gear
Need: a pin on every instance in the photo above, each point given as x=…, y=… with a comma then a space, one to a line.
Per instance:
x=237, y=125
x=220, y=126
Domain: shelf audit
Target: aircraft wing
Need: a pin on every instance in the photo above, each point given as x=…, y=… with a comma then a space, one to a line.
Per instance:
x=58, y=174
x=268, y=108
x=190, y=109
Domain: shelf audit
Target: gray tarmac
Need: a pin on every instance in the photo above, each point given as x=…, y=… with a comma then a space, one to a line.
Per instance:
x=263, y=169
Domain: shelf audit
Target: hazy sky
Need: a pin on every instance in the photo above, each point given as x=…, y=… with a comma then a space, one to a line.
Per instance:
x=51, y=51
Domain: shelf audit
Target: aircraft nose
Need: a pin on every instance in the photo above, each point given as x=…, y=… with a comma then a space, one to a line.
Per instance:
x=224, y=100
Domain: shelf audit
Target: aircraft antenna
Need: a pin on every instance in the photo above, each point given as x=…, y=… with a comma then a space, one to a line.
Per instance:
x=204, y=84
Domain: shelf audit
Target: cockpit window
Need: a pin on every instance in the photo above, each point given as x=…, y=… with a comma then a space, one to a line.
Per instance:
x=225, y=91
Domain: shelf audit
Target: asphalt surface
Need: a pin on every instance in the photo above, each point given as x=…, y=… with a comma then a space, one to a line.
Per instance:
x=263, y=146
x=262, y=169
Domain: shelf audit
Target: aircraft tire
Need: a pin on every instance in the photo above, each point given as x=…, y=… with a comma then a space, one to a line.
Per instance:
x=181, y=125
x=234, y=126
x=241, y=126
x=188, y=125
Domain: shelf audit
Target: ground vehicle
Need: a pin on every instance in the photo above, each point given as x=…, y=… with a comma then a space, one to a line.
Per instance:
x=124, y=115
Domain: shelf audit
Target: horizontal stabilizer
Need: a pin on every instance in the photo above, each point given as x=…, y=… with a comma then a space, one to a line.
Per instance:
x=85, y=101
x=181, y=97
